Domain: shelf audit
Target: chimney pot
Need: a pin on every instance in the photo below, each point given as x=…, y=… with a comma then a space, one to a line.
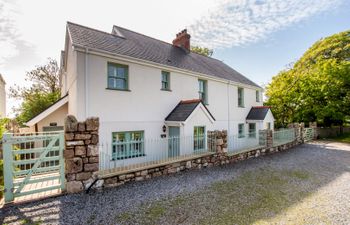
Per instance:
x=182, y=40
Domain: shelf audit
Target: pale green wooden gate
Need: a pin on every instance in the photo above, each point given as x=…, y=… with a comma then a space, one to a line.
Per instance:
x=308, y=134
x=35, y=158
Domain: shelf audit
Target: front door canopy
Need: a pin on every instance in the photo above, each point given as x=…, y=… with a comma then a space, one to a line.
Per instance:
x=185, y=109
x=257, y=113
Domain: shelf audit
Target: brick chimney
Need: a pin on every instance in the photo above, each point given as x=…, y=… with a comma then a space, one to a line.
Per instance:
x=182, y=40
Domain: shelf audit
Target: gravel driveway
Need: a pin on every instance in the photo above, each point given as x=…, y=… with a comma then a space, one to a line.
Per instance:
x=309, y=184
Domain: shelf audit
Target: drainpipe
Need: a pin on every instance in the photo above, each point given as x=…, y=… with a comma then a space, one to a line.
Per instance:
x=86, y=82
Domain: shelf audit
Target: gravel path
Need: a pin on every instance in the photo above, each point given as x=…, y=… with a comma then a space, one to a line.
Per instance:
x=326, y=199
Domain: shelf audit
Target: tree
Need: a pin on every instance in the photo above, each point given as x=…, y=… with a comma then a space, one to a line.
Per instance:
x=44, y=90
x=317, y=87
x=203, y=51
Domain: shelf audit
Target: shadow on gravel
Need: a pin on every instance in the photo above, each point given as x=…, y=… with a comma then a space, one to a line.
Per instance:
x=242, y=193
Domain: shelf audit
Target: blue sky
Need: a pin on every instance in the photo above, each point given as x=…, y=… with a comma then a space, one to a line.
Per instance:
x=256, y=37
x=261, y=60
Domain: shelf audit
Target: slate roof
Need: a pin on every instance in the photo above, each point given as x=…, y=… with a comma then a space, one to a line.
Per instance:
x=258, y=113
x=129, y=43
x=184, y=109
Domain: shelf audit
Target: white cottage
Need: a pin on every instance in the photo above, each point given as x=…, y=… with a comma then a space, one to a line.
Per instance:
x=143, y=88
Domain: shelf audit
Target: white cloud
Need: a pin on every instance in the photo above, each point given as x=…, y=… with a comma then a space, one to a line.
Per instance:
x=8, y=32
x=239, y=22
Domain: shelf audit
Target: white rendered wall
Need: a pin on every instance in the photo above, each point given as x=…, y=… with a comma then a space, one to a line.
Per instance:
x=269, y=119
x=145, y=106
x=57, y=116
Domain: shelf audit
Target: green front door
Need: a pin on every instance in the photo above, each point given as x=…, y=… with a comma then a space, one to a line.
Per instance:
x=174, y=141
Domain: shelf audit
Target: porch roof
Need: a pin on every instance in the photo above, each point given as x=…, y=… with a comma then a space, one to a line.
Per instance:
x=184, y=109
x=258, y=113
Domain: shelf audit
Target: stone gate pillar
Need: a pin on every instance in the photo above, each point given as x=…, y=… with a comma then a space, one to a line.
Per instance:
x=313, y=125
x=269, y=138
x=81, y=153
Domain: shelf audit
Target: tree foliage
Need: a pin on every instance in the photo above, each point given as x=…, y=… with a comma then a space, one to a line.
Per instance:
x=44, y=90
x=316, y=87
x=203, y=51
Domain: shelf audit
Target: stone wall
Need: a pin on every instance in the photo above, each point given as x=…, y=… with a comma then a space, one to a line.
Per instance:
x=213, y=159
x=314, y=126
x=81, y=153
x=217, y=142
x=82, y=160
x=299, y=131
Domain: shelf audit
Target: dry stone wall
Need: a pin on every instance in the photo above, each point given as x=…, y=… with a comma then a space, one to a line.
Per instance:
x=81, y=153
x=217, y=142
x=82, y=156
x=214, y=159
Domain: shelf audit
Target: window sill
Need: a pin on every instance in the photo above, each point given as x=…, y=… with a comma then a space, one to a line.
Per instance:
x=166, y=90
x=117, y=89
x=128, y=157
x=241, y=106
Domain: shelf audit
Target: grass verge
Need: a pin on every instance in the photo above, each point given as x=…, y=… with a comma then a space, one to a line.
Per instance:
x=252, y=197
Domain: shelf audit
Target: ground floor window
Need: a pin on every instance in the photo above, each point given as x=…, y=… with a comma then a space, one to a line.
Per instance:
x=268, y=126
x=127, y=144
x=199, y=138
x=252, y=130
x=241, y=130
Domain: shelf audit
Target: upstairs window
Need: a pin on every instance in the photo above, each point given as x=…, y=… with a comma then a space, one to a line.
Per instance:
x=241, y=130
x=165, y=81
x=202, y=90
x=257, y=96
x=240, y=97
x=118, y=76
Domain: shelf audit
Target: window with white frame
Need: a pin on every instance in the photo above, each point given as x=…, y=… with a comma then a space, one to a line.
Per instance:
x=257, y=96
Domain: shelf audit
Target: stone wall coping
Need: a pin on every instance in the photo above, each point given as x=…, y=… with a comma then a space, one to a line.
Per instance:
x=109, y=173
